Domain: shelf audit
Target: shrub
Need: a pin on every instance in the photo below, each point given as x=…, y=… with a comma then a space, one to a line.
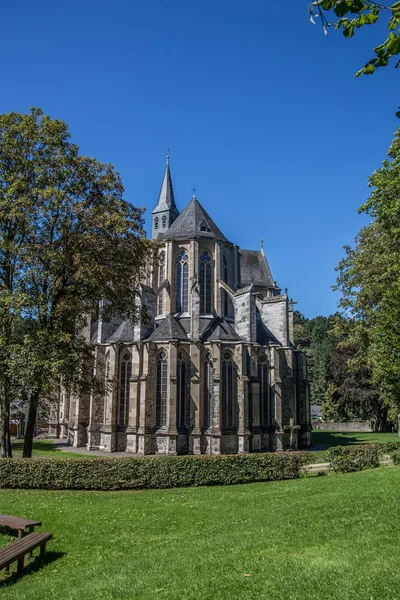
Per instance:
x=347, y=459
x=396, y=457
x=389, y=447
x=149, y=472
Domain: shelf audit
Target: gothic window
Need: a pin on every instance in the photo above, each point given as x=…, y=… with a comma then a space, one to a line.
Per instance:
x=182, y=390
x=208, y=391
x=182, y=282
x=164, y=221
x=229, y=392
x=108, y=366
x=225, y=298
x=156, y=223
x=124, y=383
x=161, y=390
x=205, y=282
x=161, y=277
x=264, y=389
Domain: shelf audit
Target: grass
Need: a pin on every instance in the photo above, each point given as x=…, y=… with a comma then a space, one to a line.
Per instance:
x=338, y=438
x=46, y=449
x=321, y=538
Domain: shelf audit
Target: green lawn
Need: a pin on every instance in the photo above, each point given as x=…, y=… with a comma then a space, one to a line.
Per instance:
x=338, y=438
x=320, y=538
x=45, y=449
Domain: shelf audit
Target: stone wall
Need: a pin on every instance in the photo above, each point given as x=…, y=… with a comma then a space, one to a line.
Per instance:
x=356, y=426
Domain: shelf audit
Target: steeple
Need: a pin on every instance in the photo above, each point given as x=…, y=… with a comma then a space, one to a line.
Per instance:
x=165, y=212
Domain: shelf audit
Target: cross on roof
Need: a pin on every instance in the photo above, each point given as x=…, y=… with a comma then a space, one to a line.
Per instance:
x=194, y=192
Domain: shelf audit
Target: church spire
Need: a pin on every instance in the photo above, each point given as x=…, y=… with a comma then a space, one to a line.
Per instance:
x=166, y=211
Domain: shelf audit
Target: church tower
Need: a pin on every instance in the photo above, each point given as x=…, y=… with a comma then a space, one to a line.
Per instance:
x=165, y=212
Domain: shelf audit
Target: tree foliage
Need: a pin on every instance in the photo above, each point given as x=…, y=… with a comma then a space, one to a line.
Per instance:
x=349, y=15
x=369, y=281
x=68, y=239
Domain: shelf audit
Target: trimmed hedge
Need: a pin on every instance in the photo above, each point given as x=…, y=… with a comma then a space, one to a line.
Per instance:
x=347, y=459
x=149, y=472
x=396, y=456
x=389, y=447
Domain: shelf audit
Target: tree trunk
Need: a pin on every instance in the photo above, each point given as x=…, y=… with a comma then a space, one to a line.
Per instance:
x=30, y=426
x=5, y=437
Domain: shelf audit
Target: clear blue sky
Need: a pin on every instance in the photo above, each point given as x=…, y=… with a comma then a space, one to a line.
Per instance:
x=262, y=113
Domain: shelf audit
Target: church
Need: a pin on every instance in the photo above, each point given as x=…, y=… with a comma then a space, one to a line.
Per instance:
x=212, y=370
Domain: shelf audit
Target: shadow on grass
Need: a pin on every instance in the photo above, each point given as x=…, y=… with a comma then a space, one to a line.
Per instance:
x=35, y=564
x=43, y=446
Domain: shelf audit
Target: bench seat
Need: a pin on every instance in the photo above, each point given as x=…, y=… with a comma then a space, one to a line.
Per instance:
x=18, y=550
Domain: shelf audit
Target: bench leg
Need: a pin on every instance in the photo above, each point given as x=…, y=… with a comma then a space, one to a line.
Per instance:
x=31, y=529
x=20, y=565
x=42, y=550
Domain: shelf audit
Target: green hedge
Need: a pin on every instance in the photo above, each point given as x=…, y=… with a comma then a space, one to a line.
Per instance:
x=396, y=456
x=149, y=472
x=347, y=459
x=389, y=447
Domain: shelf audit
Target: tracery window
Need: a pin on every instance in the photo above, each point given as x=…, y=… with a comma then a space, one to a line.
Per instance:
x=161, y=277
x=182, y=390
x=208, y=391
x=264, y=389
x=182, y=282
x=124, y=384
x=225, y=299
x=161, y=390
x=164, y=221
x=205, y=282
x=229, y=390
x=108, y=366
x=156, y=223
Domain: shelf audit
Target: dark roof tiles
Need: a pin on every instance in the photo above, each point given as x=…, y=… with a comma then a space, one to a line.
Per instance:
x=193, y=222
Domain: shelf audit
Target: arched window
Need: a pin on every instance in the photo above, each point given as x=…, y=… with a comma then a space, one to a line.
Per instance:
x=205, y=282
x=164, y=221
x=225, y=298
x=161, y=390
x=108, y=366
x=182, y=282
x=156, y=223
x=229, y=392
x=264, y=389
x=161, y=277
x=182, y=390
x=124, y=383
x=208, y=391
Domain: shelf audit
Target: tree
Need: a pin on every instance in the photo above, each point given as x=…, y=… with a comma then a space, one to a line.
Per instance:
x=68, y=240
x=349, y=15
x=369, y=281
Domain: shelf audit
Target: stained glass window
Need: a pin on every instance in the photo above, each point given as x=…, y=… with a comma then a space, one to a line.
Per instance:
x=124, y=384
x=205, y=282
x=229, y=392
x=161, y=390
x=182, y=391
x=264, y=389
x=182, y=282
x=161, y=277
x=208, y=391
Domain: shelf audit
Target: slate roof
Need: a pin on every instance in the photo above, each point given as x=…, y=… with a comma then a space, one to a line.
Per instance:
x=166, y=199
x=124, y=333
x=193, y=222
x=254, y=269
x=170, y=329
x=220, y=330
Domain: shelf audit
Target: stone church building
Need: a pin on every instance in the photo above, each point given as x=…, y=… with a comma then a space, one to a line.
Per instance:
x=214, y=370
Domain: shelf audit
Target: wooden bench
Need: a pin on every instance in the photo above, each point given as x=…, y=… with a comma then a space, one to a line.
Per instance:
x=7, y=521
x=16, y=551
